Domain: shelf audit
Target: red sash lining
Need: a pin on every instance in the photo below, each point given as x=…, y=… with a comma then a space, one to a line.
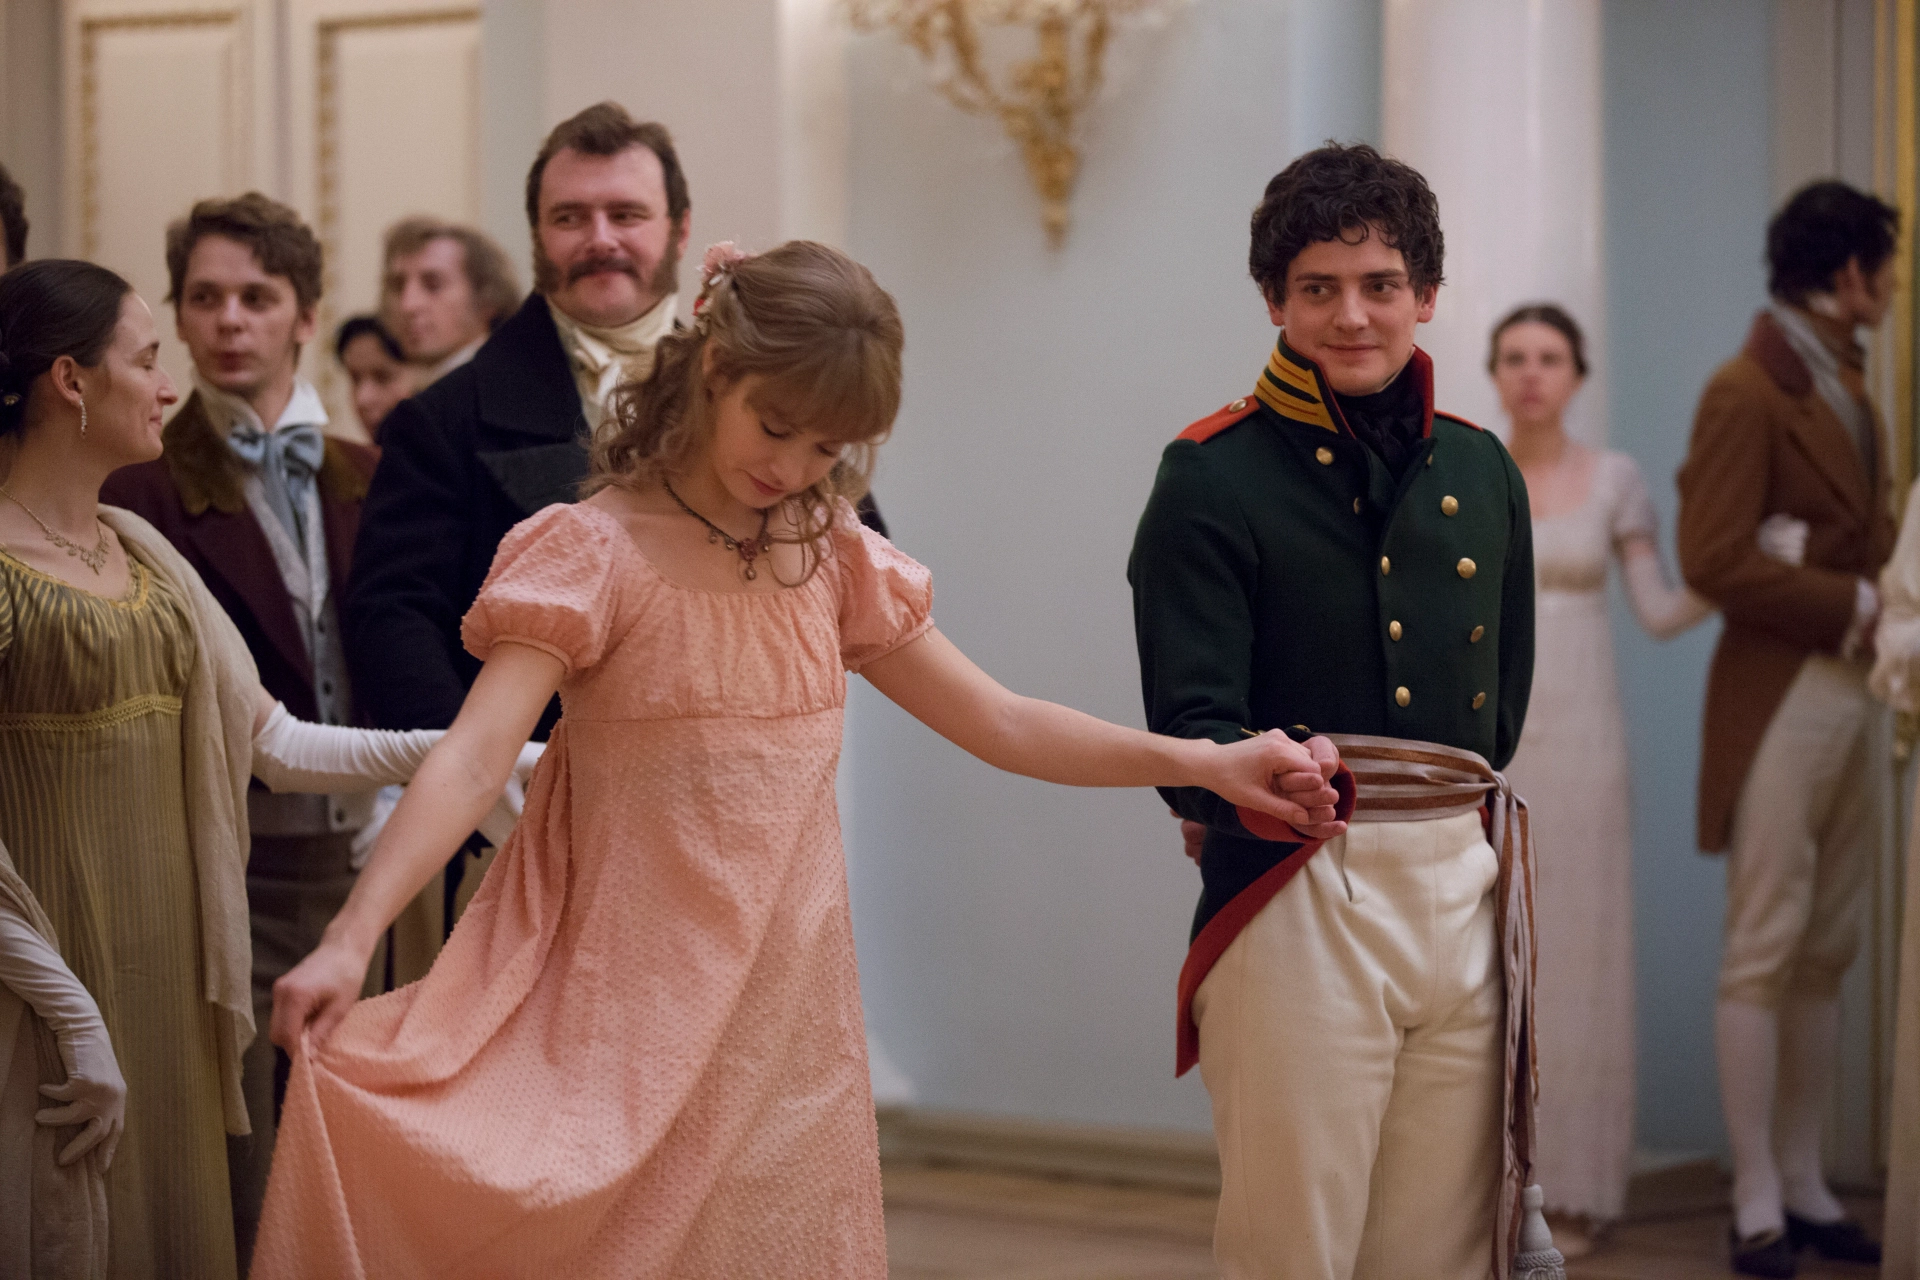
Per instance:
x=1219, y=932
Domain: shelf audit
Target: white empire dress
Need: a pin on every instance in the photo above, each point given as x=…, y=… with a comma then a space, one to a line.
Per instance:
x=1571, y=768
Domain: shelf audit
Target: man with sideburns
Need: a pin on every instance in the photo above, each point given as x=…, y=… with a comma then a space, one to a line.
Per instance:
x=1331, y=558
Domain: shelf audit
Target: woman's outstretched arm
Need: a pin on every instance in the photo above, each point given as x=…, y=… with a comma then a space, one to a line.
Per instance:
x=455, y=787
x=939, y=686
x=1664, y=610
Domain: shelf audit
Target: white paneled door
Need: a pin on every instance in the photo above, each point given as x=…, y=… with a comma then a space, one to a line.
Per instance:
x=165, y=103
x=383, y=115
x=355, y=112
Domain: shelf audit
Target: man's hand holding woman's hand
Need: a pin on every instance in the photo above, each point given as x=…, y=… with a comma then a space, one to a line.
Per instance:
x=1288, y=780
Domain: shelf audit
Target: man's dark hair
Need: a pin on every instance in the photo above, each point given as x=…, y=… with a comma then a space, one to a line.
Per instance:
x=1822, y=228
x=605, y=129
x=363, y=326
x=13, y=218
x=1345, y=193
x=282, y=244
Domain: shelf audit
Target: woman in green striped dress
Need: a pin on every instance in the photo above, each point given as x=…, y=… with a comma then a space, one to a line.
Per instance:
x=130, y=720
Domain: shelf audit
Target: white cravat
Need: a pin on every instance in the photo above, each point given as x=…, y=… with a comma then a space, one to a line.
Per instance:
x=604, y=358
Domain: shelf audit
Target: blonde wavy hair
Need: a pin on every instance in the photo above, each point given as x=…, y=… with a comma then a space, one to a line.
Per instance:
x=822, y=338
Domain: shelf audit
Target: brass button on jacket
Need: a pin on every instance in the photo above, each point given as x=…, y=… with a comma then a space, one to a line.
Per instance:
x=1449, y=506
x=1479, y=701
x=1324, y=456
x=1237, y=406
x=1467, y=567
x=1393, y=629
x=1386, y=565
x=1473, y=637
x=1401, y=696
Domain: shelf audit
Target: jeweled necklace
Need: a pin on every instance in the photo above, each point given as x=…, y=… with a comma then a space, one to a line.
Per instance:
x=95, y=559
x=749, y=550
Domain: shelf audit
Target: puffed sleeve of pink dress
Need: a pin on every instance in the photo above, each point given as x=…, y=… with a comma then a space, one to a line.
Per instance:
x=641, y=1053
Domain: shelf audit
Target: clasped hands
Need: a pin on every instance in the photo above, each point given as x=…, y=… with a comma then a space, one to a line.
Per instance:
x=1301, y=778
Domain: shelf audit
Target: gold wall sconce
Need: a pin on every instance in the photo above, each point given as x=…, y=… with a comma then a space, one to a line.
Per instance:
x=1039, y=99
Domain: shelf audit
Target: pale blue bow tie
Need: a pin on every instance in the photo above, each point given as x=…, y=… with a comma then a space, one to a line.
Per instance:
x=288, y=460
x=292, y=450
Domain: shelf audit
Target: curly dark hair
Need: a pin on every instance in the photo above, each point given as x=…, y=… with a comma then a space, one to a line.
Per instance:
x=1345, y=193
x=1822, y=228
x=281, y=243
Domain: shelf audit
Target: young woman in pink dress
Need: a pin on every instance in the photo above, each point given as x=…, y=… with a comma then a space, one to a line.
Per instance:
x=641, y=1053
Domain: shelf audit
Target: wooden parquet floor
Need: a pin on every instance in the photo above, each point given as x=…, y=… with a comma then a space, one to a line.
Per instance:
x=961, y=1224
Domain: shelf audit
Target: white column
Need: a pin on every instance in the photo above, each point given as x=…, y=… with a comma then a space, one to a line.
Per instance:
x=1497, y=102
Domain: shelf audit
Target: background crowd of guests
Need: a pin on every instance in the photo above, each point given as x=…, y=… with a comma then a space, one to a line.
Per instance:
x=479, y=405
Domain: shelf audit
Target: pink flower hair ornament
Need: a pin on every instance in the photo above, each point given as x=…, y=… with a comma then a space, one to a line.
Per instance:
x=718, y=261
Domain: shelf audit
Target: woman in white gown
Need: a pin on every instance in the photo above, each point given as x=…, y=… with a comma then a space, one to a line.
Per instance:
x=1589, y=507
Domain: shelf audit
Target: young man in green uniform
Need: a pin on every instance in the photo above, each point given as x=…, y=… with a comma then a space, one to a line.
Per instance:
x=1330, y=556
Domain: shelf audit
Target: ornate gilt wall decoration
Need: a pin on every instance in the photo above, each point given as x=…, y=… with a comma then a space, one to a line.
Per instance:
x=1039, y=100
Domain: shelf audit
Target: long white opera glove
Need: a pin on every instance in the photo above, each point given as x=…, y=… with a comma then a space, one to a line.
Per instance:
x=496, y=826
x=1784, y=538
x=500, y=820
x=1664, y=610
x=94, y=1092
x=295, y=755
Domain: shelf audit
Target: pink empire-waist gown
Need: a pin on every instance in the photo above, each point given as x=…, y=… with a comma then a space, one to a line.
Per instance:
x=641, y=1053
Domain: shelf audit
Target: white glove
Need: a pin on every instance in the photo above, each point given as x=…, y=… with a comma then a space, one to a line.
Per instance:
x=500, y=820
x=94, y=1092
x=1784, y=538
x=363, y=840
x=496, y=826
x=294, y=755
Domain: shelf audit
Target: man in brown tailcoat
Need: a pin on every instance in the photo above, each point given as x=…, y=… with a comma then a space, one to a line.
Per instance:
x=1784, y=524
x=265, y=507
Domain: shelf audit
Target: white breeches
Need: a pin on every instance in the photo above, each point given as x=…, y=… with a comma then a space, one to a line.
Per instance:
x=1351, y=1038
x=1805, y=835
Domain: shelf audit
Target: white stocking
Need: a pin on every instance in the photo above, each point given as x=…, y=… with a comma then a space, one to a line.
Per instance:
x=1809, y=1059
x=1748, y=1039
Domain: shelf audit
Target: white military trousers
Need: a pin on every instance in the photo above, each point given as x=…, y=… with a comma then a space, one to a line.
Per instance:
x=1351, y=1038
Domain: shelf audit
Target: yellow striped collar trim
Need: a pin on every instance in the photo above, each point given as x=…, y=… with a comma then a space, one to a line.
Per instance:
x=1293, y=391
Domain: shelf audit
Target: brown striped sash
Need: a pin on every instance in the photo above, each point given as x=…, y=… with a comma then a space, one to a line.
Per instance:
x=1398, y=780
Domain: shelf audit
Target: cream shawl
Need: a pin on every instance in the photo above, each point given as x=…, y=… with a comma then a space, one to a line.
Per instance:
x=65, y=1210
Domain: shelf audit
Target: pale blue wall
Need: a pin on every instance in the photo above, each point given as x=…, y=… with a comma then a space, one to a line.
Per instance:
x=1688, y=164
x=1019, y=943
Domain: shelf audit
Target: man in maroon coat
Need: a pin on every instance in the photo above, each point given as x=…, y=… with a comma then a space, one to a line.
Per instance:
x=265, y=507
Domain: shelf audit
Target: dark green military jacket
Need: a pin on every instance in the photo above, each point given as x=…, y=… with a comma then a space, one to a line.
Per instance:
x=1282, y=576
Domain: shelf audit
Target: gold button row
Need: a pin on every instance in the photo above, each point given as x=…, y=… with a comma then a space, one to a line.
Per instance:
x=1466, y=568
x=1404, y=696
x=1395, y=631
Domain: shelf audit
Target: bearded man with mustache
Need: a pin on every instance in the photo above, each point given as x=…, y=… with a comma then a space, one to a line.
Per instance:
x=502, y=436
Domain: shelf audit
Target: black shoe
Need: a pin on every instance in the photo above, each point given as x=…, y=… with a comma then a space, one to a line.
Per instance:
x=1766, y=1254
x=1842, y=1241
